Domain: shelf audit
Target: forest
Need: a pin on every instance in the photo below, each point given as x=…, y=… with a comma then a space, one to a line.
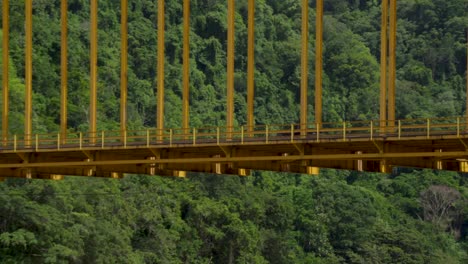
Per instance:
x=407, y=216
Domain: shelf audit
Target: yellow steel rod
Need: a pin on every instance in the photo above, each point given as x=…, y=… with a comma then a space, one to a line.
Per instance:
x=123, y=64
x=28, y=74
x=251, y=66
x=5, y=80
x=186, y=68
x=93, y=73
x=160, y=85
x=392, y=62
x=304, y=64
x=466, y=76
x=230, y=70
x=64, y=70
x=318, y=62
x=383, y=65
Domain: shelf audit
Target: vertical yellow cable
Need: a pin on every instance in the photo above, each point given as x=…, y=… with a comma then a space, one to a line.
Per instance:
x=392, y=62
x=93, y=73
x=123, y=64
x=383, y=65
x=63, y=70
x=160, y=86
x=5, y=80
x=186, y=68
x=318, y=63
x=251, y=66
x=230, y=69
x=304, y=64
x=28, y=74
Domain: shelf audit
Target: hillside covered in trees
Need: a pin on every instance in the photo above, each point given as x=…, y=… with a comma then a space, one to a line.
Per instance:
x=409, y=216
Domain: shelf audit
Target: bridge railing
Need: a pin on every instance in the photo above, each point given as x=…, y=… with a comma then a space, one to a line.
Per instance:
x=349, y=130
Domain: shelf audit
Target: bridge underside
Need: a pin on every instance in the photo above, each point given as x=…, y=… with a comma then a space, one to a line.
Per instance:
x=445, y=152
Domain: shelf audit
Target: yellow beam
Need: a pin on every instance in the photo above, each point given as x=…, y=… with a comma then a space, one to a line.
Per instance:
x=28, y=73
x=64, y=70
x=251, y=66
x=392, y=62
x=93, y=73
x=318, y=62
x=304, y=64
x=160, y=107
x=5, y=79
x=191, y=160
x=123, y=64
x=466, y=76
x=230, y=69
x=383, y=65
x=186, y=69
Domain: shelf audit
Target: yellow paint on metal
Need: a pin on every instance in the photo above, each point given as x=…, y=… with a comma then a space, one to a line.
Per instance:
x=93, y=73
x=63, y=69
x=28, y=73
x=230, y=69
x=383, y=65
x=318, y=62
x=463, y=166
x=56, y=177
x=5, y=77
x=123, y=64
x=304, y=65
x=186, y=68
x=313, y=170
x=161, y=59
x=392, y=63
x=251, y=67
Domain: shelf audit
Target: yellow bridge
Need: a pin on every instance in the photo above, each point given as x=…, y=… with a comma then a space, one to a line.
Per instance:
x=374, y=146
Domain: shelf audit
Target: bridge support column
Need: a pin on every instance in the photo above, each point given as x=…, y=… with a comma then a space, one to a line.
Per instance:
x=383, y=66
x=161, y=59
x=230, y=70
x=304, y=65
x=186, y=69
x=28, y=74
x=251, y=68
x=93, y=73
x=318, y=63
x=5, y=80
x=392, y=63
x=63, y=70
x=123, y=65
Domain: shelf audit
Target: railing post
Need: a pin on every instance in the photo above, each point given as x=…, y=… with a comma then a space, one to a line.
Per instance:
x=217, y=135
x=266, y=134
x=292, y=133
x=372, y=129
x=344, y=131
x=102, y=139
x=81, y=140
x=318, y=131
x=242, y=135
x=194, y=136
x=58, y=141
x=428, y=128
x=458, y=126
x=170, y=137
x=147, y=138
x=14, y=143
x=125, y=139
x=37, y=142
x=399, y=129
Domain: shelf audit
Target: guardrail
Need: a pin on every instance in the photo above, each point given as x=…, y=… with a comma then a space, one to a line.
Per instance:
x=347, y=130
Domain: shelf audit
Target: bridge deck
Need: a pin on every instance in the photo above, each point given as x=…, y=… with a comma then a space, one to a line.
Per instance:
x=435, y=143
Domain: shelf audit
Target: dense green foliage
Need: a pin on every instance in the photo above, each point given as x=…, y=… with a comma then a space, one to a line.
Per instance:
x=266, y=218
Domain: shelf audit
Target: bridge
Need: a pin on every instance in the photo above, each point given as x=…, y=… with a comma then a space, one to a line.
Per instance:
x=374, y=145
